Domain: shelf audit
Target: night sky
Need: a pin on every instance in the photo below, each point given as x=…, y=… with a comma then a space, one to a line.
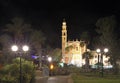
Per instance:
x=47, y=15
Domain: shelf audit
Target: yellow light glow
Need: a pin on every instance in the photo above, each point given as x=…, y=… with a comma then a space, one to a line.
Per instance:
x=64, y=23
x=51, y=66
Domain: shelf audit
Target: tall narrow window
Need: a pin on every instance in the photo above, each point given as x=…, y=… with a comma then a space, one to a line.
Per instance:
x=64, y=34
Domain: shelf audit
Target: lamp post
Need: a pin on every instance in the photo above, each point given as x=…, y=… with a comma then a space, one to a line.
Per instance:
x=24, y=48
x=98, y=51
x=101, y=53
x=50, y=65
x=49, y=59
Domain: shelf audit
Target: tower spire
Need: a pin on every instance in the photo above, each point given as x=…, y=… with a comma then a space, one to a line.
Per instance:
x=64, y=20
x=64, y=37
x=64, y=24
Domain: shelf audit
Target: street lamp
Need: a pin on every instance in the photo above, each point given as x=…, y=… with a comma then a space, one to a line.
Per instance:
x=49, y=59
x=50, y=65
x=24, y=48
x=98, y=51
x=101, y=53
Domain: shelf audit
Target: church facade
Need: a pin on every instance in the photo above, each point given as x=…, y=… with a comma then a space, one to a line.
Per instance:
x=72, y=51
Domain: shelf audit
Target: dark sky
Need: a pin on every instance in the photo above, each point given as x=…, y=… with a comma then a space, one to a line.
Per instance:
x=47, y=15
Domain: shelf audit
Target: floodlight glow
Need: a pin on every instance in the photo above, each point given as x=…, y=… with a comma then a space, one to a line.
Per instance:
x=98, y=50
x=25, y=48
x=49, y=59
x=14, y=48
x=105, y=50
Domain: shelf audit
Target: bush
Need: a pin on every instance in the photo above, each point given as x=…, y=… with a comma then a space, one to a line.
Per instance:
x=10, y=73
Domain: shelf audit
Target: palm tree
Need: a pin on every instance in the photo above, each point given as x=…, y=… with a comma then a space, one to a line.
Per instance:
x=56, y=54
x=87, y=55
x=37, y=39
x=5, y=41
x=68, y=48
x=13, y=33
x=17, y=28
x=68, y=51
x=85, y=37
x=18, y=32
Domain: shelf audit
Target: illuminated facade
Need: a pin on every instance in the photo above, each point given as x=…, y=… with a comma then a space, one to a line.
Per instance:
x=72, y=51
x=94, y=60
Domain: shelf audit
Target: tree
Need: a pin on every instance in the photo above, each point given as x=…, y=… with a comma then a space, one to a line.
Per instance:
x=10, y=72
x=17, y=28
x=68, y=48
x=5, y=41
x=106, y=27
x=56, y=54
x=87, y=55
x=85, y=37
x=37, y=40
x=13, y=33
x=18, y=32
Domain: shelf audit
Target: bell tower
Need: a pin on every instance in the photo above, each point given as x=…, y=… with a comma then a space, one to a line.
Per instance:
x=64, y=38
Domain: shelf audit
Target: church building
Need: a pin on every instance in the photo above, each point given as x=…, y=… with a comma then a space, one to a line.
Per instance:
x=72, y=50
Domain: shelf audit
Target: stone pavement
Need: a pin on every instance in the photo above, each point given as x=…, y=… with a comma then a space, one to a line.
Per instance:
x=51, y=79
x=60, y=79
x=40, y=78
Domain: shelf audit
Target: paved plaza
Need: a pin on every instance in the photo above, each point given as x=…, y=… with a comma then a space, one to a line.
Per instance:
x=52, y=79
